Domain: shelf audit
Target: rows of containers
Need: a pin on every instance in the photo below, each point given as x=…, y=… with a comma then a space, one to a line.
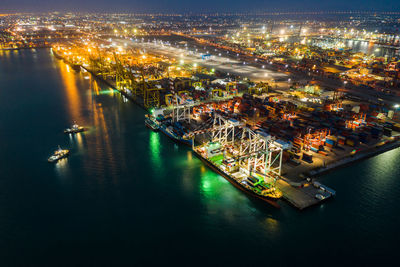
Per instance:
x=364, y=134
x=289, y=123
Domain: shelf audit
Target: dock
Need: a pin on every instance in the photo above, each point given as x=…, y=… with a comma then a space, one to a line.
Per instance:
x=287, y=141
x=296, y=197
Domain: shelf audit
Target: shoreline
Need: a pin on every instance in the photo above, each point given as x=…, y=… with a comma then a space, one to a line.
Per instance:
x=23, y=48
x=97, y=77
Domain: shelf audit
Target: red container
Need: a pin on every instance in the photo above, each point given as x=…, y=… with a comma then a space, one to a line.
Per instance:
x=328, y=145
x=323, y=153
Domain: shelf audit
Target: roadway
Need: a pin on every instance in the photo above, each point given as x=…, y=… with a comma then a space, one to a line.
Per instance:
x=221, y=63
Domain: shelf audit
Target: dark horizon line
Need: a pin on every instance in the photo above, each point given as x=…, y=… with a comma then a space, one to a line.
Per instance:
x=213, y=13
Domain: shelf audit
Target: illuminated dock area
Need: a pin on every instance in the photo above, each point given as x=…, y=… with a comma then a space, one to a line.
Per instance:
x=273, y=133
x=289, y=142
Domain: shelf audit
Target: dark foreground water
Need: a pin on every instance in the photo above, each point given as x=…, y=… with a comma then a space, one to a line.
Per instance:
x=128, y=196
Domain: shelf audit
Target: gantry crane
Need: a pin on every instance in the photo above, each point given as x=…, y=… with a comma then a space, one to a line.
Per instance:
x=262, y=153
x=142, y=89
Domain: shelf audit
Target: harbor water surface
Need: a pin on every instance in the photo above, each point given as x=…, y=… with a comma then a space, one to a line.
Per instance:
x=129, y=196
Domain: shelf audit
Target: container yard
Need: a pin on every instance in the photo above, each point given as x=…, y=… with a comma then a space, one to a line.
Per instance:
x=306, y=141
x=268, y=143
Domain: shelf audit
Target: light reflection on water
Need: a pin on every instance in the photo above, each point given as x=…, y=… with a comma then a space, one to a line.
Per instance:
x=77, y=141
x=87, y=109
x=219, y=196
x=73, y=102
x=100, y=152
x=272, y=225
x=61, y=167
x=189, y=155
x=155, y=148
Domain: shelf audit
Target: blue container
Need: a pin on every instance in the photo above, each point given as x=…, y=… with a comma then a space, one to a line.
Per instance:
x=330, y=141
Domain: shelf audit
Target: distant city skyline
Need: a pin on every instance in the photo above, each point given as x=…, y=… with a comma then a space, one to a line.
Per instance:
x=179, y=6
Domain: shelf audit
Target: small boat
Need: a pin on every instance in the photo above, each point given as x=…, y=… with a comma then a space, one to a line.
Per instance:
x=74, y=129
x=58, y=154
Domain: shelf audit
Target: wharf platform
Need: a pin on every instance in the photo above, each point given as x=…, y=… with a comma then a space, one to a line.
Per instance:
x=337, y=157
x=301, y=193
x=301, y=196
x=372, y=151
x=295, y=196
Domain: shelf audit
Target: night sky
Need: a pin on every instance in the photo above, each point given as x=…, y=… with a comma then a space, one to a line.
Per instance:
x=184, y=6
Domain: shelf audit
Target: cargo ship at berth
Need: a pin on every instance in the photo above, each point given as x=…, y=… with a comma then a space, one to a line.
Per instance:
x=173, y=130
x=74, y=66
x=151, y=123
x=251, y=185
x=56, y=55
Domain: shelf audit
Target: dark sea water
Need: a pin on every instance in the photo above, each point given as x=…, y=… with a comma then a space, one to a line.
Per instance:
x=128, y=196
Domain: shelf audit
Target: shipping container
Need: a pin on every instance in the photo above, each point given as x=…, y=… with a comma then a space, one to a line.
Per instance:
x=329, y=145
x=350, y=142
x=387, y=132
x=323, y=153
x=307, y=158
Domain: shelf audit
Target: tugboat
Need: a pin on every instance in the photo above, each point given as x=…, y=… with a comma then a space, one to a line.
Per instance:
x=74, y=129
x=58, y=154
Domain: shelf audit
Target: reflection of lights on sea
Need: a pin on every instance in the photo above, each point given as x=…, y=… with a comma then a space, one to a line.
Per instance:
x=203, y=169
x=155, y=149
x=78, y=138
x=62, y=166
x=73, y=99
x=272, y=224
